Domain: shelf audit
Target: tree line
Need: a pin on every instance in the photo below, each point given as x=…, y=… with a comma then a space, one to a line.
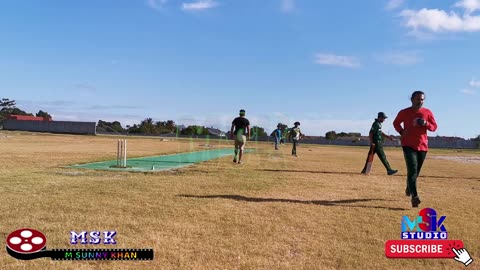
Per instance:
x=8, y=106
x=332, y=135
x=148, y=126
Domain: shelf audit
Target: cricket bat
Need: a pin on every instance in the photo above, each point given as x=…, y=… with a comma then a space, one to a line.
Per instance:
x=371, y=155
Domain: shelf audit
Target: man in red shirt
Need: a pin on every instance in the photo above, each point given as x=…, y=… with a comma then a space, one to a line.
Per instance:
x=416, y=121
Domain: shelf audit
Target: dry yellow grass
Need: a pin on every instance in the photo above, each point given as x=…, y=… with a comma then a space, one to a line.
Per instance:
x=272, y=212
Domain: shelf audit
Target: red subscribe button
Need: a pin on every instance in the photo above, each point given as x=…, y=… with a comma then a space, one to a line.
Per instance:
x=421, y=248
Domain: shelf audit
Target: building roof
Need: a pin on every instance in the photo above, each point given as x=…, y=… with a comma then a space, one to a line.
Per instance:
x=27, y=118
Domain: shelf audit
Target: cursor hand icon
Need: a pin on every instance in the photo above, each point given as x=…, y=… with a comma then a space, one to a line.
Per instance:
x=462, y=256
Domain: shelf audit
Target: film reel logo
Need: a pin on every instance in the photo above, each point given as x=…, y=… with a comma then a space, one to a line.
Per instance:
x=28, y=244
x=25, y=244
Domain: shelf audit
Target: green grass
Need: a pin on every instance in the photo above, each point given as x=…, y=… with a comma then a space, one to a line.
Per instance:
x=272, y=212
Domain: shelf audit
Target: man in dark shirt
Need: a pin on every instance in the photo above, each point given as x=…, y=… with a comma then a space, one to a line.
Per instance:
x=240, y=130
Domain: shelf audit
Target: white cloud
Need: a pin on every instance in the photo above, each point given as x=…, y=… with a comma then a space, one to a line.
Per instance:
x=474, y=83
x=336, y=60
x=436, y=20
x=288, y=5
x=468, y=92
x=394, y=4
x=199, y=5
x=156, y=4
x=400, y=58
x=469, y=5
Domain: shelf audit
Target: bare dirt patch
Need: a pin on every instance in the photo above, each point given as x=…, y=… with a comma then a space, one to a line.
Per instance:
x=463, y=159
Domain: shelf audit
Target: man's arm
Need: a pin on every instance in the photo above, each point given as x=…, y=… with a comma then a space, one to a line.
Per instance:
x=248, y=132
x=431, y=123
x=386, y=136
x=397, y=123
x=231, y=131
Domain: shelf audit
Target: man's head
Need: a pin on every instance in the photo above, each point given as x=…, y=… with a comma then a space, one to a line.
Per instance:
x=242, y=112
x=417, y=99
x=381, y=117
x=296, y=124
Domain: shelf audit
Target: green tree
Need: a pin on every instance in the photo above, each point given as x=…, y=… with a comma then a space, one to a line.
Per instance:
x=147, y=126
x=43, y=114
x=7, y=107
x=7, y=103
x=115, y=126
x=18, y=111
x=331, y=135
x=190, y=130
x=133, y=129
x=258, y=131
x=171, y=126
x=195, y=130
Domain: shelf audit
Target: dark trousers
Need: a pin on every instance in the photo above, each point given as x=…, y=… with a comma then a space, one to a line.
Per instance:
x=294, y=148
x=381, y=155
x=414, y=160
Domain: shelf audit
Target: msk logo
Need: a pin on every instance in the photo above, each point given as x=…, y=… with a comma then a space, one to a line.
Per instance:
x=425, y=226
x=95, y=237
x=28, y=244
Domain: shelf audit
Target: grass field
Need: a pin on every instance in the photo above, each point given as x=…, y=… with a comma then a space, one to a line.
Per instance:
x=272, y=212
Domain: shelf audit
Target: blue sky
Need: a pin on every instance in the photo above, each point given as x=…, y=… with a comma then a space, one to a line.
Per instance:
x=332, y=65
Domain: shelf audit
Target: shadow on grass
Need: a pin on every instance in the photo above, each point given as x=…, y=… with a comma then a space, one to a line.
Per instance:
x=450, y=177
x=316, y=202
x=354, y=173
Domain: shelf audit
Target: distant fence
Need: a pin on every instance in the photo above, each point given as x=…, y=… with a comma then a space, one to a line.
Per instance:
x=452, y=143
x=68, y=127
x=433, y=142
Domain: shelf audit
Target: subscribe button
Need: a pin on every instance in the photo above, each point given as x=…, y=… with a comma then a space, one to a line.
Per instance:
x=421, y=248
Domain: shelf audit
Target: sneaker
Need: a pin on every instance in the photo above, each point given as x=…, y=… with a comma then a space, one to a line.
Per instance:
x=390, y=172
x=407, y=192
x=363, y=172
x=234, y=161
x=415, y=201
x=240, y=162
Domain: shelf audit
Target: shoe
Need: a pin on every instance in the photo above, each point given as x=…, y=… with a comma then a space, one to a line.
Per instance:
x=407, y=192
x=240, y=162
x=415, y=201
x=234, y=161
x=363, y=172
x=390, y=172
